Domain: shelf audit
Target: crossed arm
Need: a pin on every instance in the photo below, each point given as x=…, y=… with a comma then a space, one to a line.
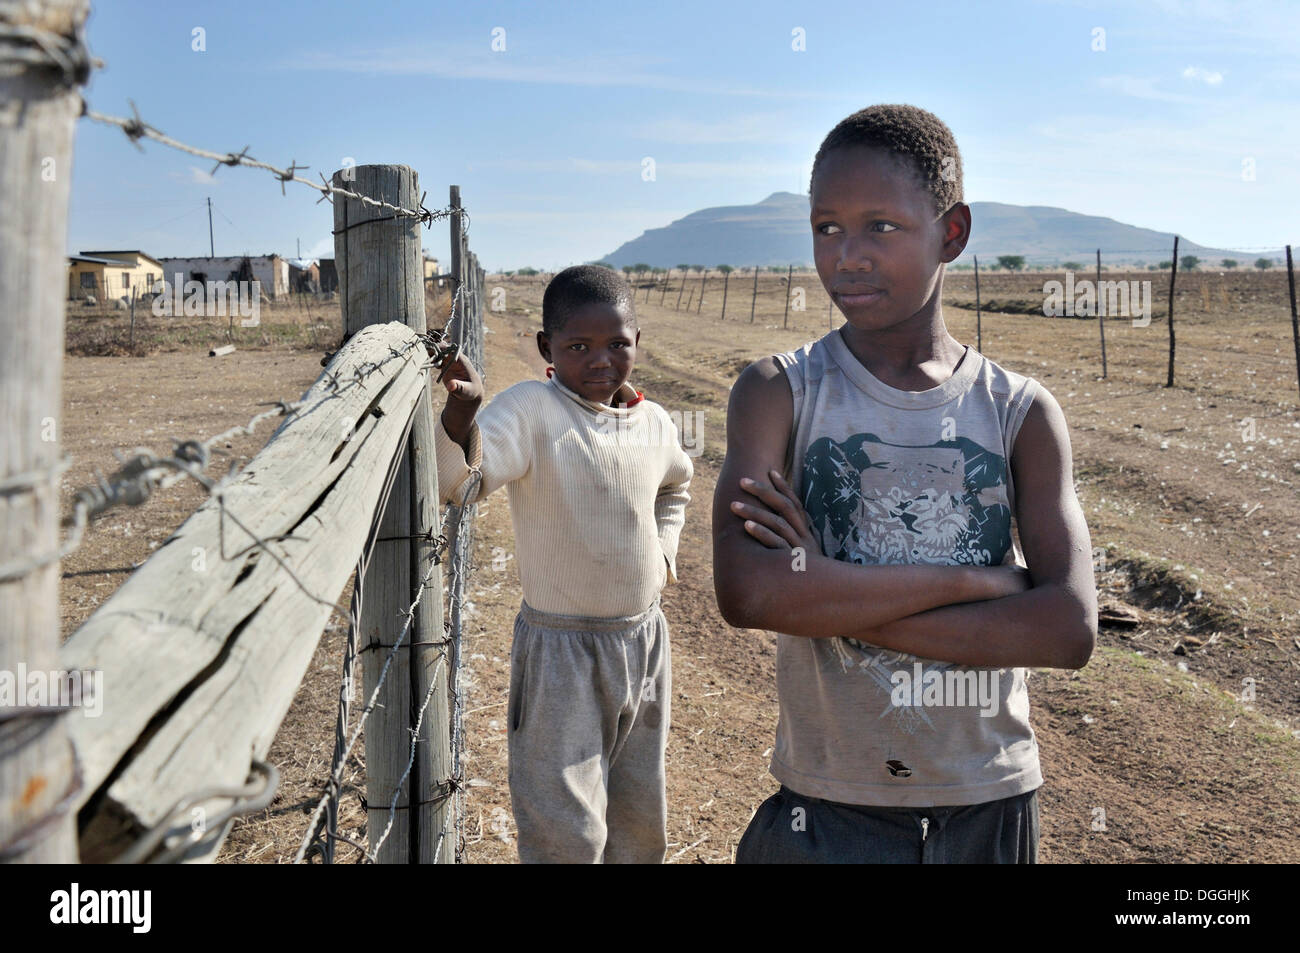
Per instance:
x=971, y=615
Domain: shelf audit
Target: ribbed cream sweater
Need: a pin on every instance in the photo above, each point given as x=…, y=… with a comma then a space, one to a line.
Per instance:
x=597, y=494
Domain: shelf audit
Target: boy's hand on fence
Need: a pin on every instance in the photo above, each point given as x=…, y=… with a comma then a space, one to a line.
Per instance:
x=778, y=519
x=462, y=381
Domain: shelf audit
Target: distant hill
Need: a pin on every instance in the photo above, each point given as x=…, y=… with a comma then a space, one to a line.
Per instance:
x=775, y=231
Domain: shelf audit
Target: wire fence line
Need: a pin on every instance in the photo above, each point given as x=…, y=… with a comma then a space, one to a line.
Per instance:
x=63, y=64
x=143, y=472
x=464, y=332
x=454, y=535
x=329, y=800
x=133, y=485
x=467, y=328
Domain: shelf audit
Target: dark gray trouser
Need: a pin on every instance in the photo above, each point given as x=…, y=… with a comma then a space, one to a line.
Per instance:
x=789, y=828
x=588, y=727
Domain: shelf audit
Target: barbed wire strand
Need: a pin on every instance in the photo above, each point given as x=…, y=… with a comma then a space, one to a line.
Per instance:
x=245, y=800
x=135, y=129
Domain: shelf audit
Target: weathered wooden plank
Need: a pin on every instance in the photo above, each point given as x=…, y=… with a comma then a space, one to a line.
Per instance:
x=37, y=117
x=204, y=646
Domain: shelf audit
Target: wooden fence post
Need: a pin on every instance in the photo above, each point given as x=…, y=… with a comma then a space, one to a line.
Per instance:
x=1101, y=316
x=979, y=325
x=1173, y=275
x=700, y=304
x=381, y=279
x=753, y=298
x=454, y=321
x=678, y=306
x=38, y=774
x=130, y=344
x=726, y=278
x=785, y=320
x=1295, y=322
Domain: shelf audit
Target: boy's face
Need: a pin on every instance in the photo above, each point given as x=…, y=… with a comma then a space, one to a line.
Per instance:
x=594, y=352
x=877, y=240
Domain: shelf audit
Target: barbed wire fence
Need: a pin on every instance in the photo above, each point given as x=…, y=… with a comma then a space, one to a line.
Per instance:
x=65, y=64
x=1111, y=289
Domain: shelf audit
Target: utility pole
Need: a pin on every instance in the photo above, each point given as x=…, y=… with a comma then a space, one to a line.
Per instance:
x=211, y=248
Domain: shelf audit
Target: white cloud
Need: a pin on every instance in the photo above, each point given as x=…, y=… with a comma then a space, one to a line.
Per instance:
x=1209, y=77
x=1143, y=87
x=665, y=169
x=477, y=64
x=195, y=176
x=322, y=249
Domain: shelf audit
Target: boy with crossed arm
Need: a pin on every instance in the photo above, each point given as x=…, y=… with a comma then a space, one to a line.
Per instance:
x=865, y=512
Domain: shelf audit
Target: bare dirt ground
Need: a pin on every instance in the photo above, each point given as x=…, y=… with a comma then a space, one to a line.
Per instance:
x=1155, y=752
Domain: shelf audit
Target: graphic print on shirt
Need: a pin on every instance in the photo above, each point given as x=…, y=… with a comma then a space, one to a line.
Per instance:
x=877, y=503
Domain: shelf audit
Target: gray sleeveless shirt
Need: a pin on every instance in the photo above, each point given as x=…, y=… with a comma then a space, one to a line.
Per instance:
x=902, y=477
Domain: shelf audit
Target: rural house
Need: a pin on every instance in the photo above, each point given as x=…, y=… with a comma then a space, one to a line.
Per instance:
x=112, y=274
x=271, y=270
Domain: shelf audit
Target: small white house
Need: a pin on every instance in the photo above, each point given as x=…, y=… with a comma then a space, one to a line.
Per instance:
x=271, y=270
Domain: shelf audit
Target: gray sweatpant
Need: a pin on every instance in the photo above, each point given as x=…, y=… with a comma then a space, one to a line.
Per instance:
x=588, y=726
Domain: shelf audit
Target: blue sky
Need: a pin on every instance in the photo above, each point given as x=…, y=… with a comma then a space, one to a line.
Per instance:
x=547, y=137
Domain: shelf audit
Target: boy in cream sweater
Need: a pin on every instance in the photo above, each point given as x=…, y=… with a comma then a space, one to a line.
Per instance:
x=597, y=483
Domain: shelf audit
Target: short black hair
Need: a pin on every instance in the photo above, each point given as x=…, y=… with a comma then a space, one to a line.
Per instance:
x=911, y=135
x=581, y=285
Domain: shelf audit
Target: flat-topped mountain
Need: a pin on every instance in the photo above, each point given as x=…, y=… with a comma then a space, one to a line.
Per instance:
x=775, y=231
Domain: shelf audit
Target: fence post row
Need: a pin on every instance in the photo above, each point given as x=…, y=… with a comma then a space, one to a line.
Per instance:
x=381, y=279
x=39, y=775
x=454, y=322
